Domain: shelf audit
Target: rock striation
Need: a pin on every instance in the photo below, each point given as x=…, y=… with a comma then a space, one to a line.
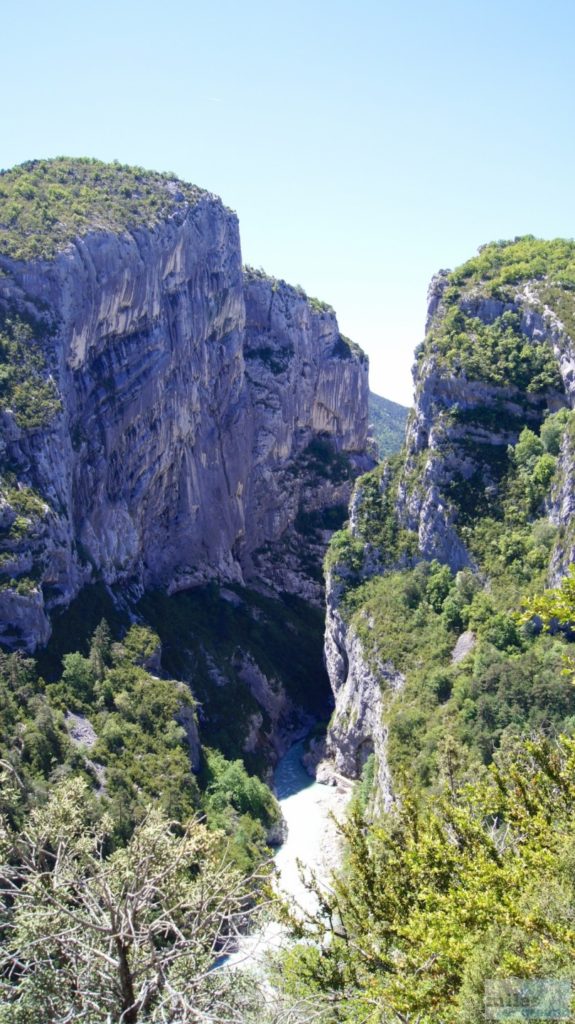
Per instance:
x=357, y=728
x=308, y=418
x=186, y=414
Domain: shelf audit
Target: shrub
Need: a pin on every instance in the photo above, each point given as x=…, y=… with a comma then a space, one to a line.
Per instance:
x=44, y=204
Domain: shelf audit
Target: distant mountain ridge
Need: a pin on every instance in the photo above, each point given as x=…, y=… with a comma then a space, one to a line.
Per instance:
x=388, y=421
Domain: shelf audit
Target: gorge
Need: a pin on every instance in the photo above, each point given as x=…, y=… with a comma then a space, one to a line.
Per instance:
x=189, y=500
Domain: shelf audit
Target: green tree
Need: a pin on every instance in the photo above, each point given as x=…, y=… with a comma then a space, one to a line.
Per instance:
x=76, y=687
x=434, y=900
x=556, y=606
x=101, y=649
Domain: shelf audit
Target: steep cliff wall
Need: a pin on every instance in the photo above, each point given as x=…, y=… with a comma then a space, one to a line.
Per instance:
x=362, y=690
x=515, y=367
x=151, y=438
x=308, y=389
x=476, y=512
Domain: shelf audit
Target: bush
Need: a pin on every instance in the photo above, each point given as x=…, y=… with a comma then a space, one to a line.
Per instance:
x=26, y=388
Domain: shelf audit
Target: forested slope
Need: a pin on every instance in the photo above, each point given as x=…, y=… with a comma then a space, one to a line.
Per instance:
x=387, y=423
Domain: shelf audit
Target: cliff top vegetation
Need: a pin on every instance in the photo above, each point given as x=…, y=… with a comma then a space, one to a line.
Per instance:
x=492, y=343
x=259, y=274
x=344, y=347
x=44, y=204
x=520, y=259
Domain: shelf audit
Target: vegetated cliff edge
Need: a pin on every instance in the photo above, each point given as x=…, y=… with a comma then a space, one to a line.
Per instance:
x=165, y=417
x=428, y=666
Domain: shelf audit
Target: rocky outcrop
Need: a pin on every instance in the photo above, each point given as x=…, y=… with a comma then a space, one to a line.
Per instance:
x=283, y=718
x=190, y=398
x=464, y=646
x=186, y=718
x=458, y=437
x=561, y=508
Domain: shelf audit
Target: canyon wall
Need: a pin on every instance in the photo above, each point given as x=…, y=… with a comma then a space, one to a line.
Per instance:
x=483, y=486
x=195, y=412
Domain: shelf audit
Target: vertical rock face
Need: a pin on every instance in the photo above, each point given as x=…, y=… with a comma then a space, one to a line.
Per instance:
x=147, y=356
x=357, y=727
x=464, y=422
x=562, y=510
x=308, y=390
x=176, y=444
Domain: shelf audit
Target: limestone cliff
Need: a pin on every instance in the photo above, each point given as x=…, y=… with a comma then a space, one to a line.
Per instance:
x=466, y=416
x=308, y=392
x=477, y=510
x=357, y=728
x=172, y=417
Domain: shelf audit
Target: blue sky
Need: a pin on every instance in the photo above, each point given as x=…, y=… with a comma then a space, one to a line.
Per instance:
x=363, y=145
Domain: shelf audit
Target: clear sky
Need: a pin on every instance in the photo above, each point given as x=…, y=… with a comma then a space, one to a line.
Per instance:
x=363, y=145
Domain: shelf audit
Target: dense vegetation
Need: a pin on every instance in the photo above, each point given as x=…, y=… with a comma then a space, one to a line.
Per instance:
x=438, y=902
x=500, y=265
x=388, y=421
x=130, y=736
x=510, y=680
x=496, y=348
x=496, y=353
x=469, y=878
x=26, y=388
x=44, y=204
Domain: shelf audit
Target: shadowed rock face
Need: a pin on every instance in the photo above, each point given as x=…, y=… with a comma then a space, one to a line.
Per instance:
x=361, y=691
x=181, y=451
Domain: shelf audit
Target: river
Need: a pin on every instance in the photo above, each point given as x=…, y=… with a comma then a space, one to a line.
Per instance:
x=312, y=840
x=312, y=836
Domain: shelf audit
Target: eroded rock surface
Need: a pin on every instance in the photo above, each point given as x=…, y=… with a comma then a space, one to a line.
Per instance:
x=206, y=420
x=361, y=690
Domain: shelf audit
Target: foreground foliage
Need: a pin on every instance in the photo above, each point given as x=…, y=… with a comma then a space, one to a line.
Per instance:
x=125, y=874
x=126, y=936
x=437, y=899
